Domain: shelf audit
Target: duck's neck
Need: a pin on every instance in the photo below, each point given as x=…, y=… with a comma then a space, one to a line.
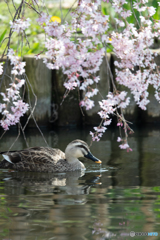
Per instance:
x=75, y=162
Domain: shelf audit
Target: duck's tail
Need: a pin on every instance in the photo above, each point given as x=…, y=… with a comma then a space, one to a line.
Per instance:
x=5, y=164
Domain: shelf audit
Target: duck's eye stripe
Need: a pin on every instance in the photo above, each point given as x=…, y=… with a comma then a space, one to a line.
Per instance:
x=82, y=146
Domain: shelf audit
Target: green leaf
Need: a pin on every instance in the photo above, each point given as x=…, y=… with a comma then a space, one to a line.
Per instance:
x=104, y=10
x=35, y=47
x=155, y=3
x=9, y=210
x=2, y=35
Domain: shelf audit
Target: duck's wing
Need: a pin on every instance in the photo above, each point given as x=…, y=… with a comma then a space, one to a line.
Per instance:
x=32, y=159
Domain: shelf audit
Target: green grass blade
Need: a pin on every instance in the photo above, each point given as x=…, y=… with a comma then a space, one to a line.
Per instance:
x=2, y=35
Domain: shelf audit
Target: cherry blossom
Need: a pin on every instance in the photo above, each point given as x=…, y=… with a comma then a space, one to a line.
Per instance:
x=44, y=18
x=119, y=139
x=100, y=129
x=125, y=146
x=151, y=11
x=18, y=66
x=74, y=58
x=13, y=106
x=81, y=60
x=19, y=25
x=107, y=122
x=1, y=68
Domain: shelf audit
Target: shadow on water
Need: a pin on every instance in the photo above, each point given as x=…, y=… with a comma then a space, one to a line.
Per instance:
x=69, y=183
x=104, y=202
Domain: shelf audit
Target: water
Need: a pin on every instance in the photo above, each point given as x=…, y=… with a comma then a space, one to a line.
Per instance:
x=105, y=202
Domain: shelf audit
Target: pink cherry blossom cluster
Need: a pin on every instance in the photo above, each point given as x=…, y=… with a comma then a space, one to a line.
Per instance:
x=124, y=144
x=18, y=65
x=132, y=49
x=109, y=107
x=19, y=25
x=80, y=59
x=13, y=106
x=1, y=68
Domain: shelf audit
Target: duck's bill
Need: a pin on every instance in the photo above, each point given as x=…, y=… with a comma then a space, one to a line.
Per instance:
x=93, y=158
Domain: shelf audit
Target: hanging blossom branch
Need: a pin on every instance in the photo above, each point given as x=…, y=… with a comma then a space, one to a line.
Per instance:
x=81, y=60
x=17, y=13
x=78, y=60
x=132, y=48
x=19, y=25
x=13, y=106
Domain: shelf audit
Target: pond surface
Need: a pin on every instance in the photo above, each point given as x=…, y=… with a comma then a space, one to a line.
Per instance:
x=105, y=202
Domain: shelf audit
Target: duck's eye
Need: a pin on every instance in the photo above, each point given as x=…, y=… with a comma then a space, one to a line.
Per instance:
x=83, y=149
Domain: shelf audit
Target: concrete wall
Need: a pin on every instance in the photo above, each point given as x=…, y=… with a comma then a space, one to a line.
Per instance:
x=40, y=78
x=91, y=117
x=66, y=110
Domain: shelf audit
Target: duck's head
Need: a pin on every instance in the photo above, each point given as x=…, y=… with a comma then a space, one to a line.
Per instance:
x=79, y=148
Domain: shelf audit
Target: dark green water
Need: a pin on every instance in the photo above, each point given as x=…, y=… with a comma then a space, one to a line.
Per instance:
x=106, y=202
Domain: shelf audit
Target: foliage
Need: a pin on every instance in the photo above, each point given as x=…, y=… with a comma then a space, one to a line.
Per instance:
x=35, y=34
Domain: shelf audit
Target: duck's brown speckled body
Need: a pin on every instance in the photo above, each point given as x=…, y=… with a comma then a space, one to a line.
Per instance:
x=45, y=159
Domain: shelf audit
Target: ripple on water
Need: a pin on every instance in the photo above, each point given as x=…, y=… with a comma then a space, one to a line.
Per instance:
x=106, y=201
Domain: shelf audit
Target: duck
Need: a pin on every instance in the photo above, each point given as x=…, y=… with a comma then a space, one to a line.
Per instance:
x=46, y=159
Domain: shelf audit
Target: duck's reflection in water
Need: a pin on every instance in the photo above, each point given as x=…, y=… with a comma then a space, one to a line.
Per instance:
x=76, y=184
